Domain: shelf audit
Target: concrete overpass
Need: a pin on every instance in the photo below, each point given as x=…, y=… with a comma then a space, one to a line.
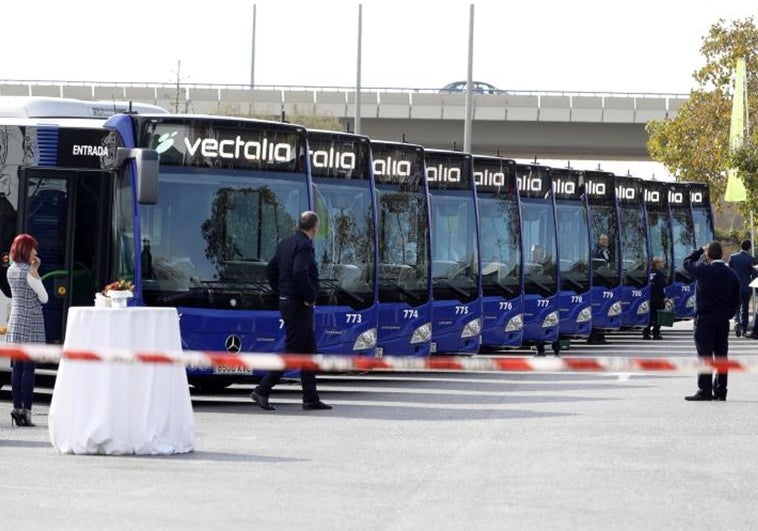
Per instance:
x=516, y=124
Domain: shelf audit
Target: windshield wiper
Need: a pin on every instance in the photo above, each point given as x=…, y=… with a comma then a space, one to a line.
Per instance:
x=635, y=279
x=685, y=274
x=447, y=283
x=180, y=295
x=332, y=283
x=540, y=285
x=402, y=290
x=209, y=289
x=574, y=282
x=509, y=290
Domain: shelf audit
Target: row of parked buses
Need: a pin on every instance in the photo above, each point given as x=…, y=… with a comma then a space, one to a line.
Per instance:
x=420, y=251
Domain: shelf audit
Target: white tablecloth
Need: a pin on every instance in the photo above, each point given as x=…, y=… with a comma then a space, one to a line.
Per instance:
x=120, y=408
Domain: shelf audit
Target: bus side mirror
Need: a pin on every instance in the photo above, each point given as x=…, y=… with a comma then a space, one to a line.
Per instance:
x=146, y=162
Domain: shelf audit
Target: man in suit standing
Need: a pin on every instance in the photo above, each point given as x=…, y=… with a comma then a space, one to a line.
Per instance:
x=603, y=250
x=742, y=263
x=717, y=299
x=293, y=275
x=657, y=297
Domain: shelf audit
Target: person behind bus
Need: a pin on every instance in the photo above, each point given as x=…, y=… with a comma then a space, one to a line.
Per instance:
x=742, y=263
x=539, y=256
x=717, y=298
x=293, y=275
x=25, y=323
x=603, y=250
x=657, y=297
x=537, y=253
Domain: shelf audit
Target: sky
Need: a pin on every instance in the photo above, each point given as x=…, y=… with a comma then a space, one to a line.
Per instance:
x=645, y=46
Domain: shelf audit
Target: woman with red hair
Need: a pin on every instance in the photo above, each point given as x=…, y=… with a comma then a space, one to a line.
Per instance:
x=25, y=324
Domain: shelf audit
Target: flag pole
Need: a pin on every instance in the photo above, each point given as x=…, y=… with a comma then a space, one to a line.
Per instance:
x=467, y=123
x=357, y=117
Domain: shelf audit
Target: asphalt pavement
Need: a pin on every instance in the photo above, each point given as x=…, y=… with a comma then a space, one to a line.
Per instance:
x=422, y=451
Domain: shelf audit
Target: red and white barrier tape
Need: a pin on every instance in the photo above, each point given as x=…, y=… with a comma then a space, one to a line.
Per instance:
x=338, y=363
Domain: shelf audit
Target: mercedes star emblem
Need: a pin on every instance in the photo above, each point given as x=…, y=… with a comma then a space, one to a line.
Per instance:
x=233, y=343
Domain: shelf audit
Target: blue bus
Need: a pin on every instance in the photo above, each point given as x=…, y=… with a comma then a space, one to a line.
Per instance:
x=501, y=251
x=683, y=240
x=405, y=265
x=702, y=215
x=346, y=243
x=456, y=267
x=196, y=236
x=229, y=190
x=606, y=264
x=659, y=231
x=635, y=255
x=540, y=242
x=575, y=258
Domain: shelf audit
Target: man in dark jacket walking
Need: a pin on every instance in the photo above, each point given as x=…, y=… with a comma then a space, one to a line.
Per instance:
x=293, y=275
x=717, y=299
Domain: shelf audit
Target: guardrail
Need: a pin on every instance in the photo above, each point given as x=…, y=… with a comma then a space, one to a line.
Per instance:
x=376, y=102
x=321, y=88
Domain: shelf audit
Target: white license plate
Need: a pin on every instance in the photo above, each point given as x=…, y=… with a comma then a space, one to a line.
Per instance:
x=227, y=369
x=379, y=352
x=433, y=347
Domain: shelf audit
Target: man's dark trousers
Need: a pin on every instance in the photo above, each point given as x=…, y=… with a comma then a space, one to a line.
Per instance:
x=712, y=339
x=301, y=339
x=742, y=313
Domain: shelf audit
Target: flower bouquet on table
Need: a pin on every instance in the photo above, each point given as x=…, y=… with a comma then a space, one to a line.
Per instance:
x=119, y=292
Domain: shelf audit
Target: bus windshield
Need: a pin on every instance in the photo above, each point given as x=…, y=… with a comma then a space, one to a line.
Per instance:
x=684, y=241
x=403, y=251
x=344, y=243
x=500, y=245
x=573, y=234
x=702, y=225
x=604, y=235
x=660, y=246
x=634, y=245
x=208, y=240
x=538, y=233
x=454, y=252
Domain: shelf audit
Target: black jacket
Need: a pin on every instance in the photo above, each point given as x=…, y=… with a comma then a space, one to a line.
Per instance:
x=293, y=272
x=718, y=288
x=657, y=288
x=742, y=264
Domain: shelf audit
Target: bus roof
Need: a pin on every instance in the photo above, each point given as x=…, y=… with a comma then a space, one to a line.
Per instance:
x=46, y=107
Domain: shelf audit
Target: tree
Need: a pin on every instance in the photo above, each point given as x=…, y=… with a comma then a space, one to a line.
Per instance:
x=310, y=121
x=694, y=145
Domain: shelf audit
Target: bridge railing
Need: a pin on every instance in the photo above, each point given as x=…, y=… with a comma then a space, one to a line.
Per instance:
x=376, y=102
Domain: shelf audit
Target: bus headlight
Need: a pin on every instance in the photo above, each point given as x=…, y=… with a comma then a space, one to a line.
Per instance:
x=644, y=307
x=550, y=320
x=515, y=323
x=690, y=302
x=422, y=334
x=472, y=328
x=615, y=309
x=366, y=340
x=585, y=315
x=669, y=304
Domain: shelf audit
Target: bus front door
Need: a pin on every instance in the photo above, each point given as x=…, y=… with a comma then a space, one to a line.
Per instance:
x=66, y=212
